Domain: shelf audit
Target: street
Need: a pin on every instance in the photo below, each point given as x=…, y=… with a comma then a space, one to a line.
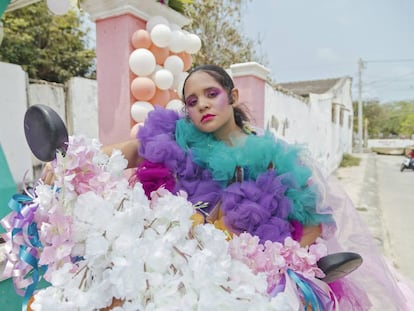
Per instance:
x=396, y=199
x=384, y=199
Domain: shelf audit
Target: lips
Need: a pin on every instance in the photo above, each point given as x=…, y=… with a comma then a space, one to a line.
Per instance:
x=207, y=117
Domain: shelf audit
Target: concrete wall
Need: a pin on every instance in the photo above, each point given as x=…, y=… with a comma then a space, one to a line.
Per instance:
x=75, y=102
x=308, y=122
x=290, y=117
x=320, y=123
x=13, y=105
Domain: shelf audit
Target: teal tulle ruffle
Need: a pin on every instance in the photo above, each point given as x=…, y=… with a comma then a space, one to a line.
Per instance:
x=254, y=153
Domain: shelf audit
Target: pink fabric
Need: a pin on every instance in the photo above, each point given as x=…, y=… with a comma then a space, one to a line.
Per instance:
x=297, y=231
x=374, y=277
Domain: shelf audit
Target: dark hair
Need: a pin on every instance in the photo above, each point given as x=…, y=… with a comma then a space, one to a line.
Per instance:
x=224, y=79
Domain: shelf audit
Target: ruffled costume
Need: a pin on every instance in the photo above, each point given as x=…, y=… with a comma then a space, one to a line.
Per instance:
x=262, y=186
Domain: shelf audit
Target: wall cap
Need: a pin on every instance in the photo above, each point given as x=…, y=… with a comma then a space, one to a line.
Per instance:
x=249, y=69
x=143, y=9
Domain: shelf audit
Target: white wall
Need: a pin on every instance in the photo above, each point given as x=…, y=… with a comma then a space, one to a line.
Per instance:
x=290, y=117
x=78, y=109
x=82, y=107
x=309, y=122
x=13, y=105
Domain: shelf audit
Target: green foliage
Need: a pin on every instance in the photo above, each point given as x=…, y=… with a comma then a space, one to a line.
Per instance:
x=218, y=24
x=407, y=126
x=177, y=5
x=349, y=160
x=48, y=47
x=394, y=119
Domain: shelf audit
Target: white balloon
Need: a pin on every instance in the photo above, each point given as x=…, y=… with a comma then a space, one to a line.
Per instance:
x=174, y=64
x=139, y=110
x=155, y=20
x=193, y=43
x=161, y=35
x=142, y=62
x=157, y=68
x=176, y=105
x=178, y=41
x=163, y=79
x=58, y=7
x=179, y=82
x=174, y=26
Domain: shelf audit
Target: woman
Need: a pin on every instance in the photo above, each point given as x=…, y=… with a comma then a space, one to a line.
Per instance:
x=239, y=180
x=213, y=154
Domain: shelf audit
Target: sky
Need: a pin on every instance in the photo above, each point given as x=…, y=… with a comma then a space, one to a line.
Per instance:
x=320, y=39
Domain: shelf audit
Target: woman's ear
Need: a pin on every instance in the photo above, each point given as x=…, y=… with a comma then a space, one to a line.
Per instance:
x=234, y=97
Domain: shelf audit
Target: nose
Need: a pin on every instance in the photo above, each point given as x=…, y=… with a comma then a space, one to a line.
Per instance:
x=204, y=103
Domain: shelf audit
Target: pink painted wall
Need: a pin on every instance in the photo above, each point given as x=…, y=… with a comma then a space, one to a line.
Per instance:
x=252, y=94
x=113, y=41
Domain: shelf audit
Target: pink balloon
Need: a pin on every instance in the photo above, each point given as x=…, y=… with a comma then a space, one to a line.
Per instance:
x=143, y=88
x=141, y=39
x=174, y=95
x=160, y=54
x=134, y=130
x=187, y=60
x=160, y=98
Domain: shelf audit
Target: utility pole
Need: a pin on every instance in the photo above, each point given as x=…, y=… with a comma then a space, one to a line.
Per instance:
x=360, y=117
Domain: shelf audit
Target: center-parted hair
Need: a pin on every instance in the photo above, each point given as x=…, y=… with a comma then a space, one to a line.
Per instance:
x=226, y=82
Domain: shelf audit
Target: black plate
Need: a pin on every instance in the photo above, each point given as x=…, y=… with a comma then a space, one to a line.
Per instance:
x=45, y=132
x=338, y=265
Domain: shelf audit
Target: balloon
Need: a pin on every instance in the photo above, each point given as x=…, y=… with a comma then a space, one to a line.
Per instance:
x=140, y=109
x=160, y=53
x=179, y=82
x=157, y=68
x=187, y=60
x=160, y=98
x=174, y=64
x=178, y=41
x=58, y=7
x=155, y=20
x=173, y=94
x=163, y=79
x=161, y=35
x=176, y=105
x=142, y=62
x=174, y=26
x=134, y=130
x=193, y=43
x=143, y=88
x=141, y=39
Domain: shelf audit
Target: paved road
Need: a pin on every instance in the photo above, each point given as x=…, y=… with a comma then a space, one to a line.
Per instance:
x=396, y=197
x=384, y=198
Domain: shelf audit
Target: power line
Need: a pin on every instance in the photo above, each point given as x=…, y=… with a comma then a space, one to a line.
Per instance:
x=407, y=60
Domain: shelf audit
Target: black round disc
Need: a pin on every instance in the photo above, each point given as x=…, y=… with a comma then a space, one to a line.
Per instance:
x=45, y=132
x=338, y=265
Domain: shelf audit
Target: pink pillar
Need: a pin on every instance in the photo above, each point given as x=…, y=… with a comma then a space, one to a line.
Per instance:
x=116, y=21
x=250, y=79
x=113, y=47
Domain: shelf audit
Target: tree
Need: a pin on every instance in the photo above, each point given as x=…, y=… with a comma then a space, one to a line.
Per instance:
x=387, y=120
x=48, y=47
x=396, y=113
x=373, y=111
x=407, y=126
x=218, y=24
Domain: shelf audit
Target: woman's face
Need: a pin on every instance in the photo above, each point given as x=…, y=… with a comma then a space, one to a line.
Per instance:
x=208, y=105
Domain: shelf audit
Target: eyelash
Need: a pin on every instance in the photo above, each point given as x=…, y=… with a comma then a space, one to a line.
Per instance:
x=209, y=94
x=191, y=103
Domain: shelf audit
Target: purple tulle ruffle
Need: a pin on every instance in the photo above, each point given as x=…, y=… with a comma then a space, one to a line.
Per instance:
x=170, y=166
x=259, y=207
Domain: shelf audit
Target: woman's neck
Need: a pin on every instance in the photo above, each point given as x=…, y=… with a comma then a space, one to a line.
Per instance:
x=231, y=137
